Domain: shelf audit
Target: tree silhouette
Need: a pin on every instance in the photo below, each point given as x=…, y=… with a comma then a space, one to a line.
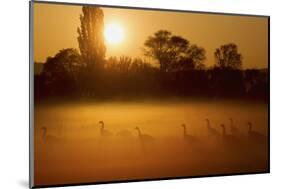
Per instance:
x=157, y=47
x=172, y=52
x=126, y=64
x=90, y=37
x=60, y=72
x=65, y=61
x=121, y=65
x=197, y=55
x=227, y=57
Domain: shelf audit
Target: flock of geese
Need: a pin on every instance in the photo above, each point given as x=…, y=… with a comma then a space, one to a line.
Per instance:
x=234, y=134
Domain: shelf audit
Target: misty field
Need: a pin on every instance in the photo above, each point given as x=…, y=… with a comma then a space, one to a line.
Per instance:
x=99, y=142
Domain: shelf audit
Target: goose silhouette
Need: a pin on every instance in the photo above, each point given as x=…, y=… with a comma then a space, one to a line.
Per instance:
x=144, y=137
x=211, y=130
x=186, y=136
x=104, y=132
x=255, y=135
x=48, y=138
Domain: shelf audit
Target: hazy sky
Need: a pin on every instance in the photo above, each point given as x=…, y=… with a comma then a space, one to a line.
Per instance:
x=55, y=28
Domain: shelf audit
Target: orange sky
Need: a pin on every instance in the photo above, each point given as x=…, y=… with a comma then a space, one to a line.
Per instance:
x=55, y=28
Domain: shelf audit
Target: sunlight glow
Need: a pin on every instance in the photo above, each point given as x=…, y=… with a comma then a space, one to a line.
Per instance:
x=113, y=33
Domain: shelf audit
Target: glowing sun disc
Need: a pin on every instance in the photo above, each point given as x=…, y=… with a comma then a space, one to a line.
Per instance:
x=113, y=33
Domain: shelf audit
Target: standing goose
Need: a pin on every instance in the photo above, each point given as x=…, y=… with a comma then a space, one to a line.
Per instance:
x=254, y=135
x=227, y=137
x=230, y=143
x=211, y=131
x=144, y=137
x=47, y=137
x=184, y=131
x=193, y=142
x=185, y=135
x=104, y=132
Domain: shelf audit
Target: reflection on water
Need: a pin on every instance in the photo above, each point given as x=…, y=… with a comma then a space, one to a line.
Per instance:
x=98, y=142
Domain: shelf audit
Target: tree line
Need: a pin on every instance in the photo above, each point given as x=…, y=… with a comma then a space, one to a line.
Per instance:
x=179, y=71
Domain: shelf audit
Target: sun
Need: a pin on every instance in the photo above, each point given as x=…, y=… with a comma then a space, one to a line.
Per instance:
x=113, y=33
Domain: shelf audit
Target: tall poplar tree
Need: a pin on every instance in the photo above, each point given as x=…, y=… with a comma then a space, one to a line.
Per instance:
x=91, y=38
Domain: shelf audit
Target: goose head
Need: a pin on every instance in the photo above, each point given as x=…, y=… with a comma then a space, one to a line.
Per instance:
x=101, y=123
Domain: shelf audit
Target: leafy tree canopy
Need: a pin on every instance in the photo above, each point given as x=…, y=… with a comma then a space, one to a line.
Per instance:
x=228, y=57
x=173, y=52
x=90, y=37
